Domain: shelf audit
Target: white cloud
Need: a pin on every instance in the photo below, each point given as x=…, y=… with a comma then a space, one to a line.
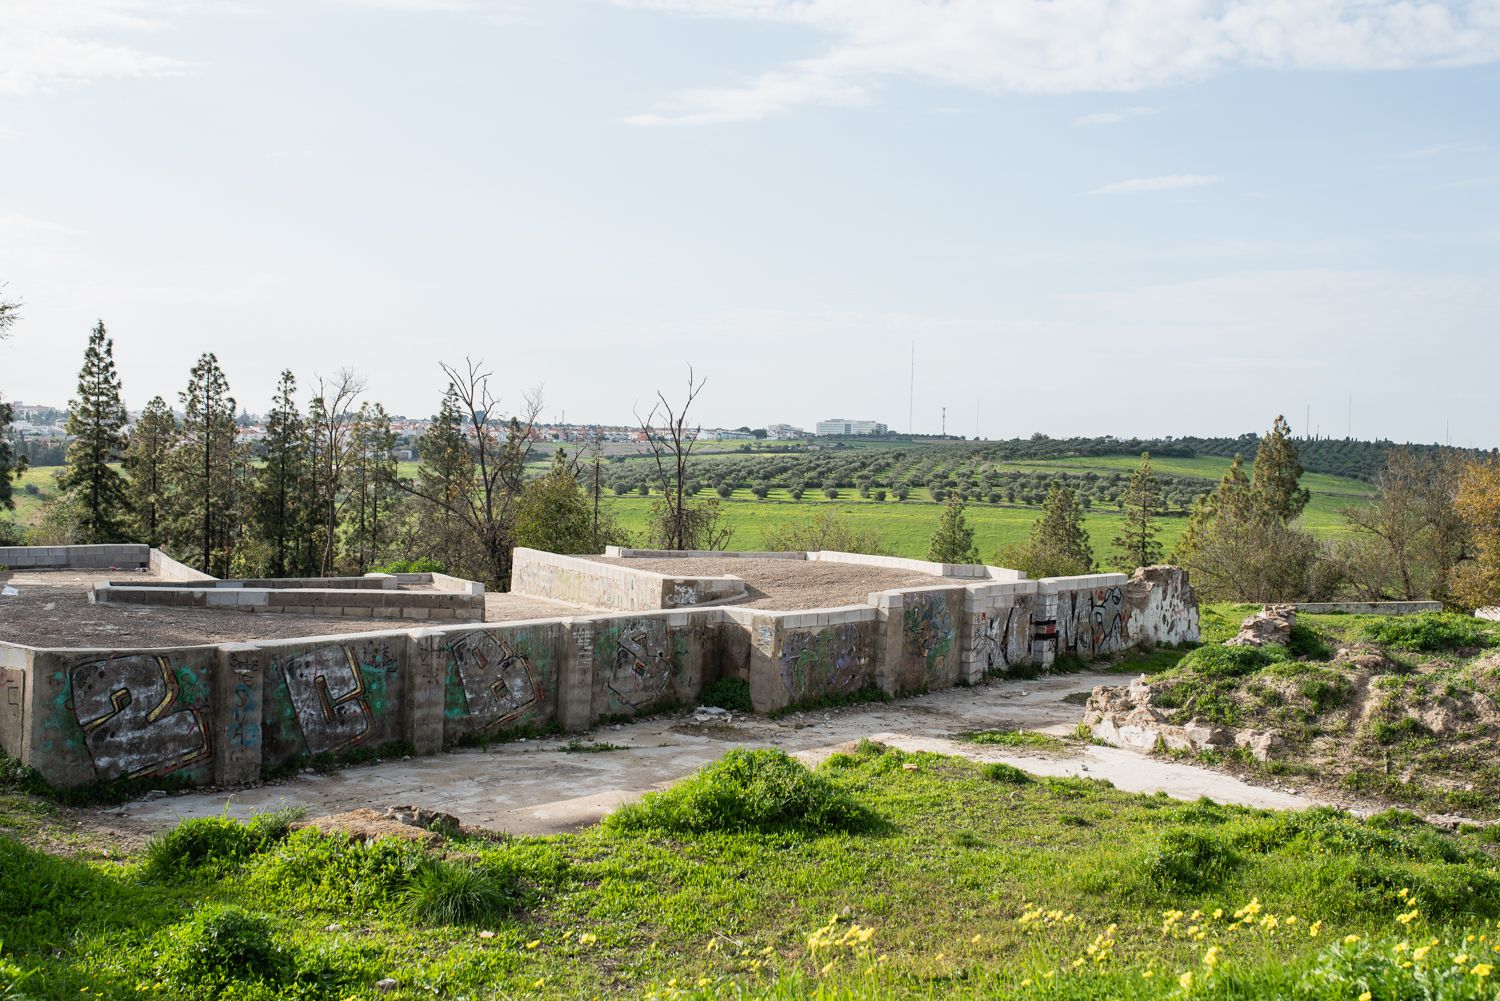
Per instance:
x=1442, y=149
x=1114, y=117
x=1166, y=182
x=46, y=44
x=1073, y=46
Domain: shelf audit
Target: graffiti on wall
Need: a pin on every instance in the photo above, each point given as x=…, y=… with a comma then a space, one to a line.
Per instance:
x=636, y=660
x=831, y=661
x=1005, y=639
x=135, y=719
x=928, y=638
x=499, y=684
x=327, y=690
x=1084, y=623
x=1107, y=620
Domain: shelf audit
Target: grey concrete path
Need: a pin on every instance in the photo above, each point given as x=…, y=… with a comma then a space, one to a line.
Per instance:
x=537, y=787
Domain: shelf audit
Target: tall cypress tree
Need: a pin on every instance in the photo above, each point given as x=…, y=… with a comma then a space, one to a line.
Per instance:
x=446, y=473
x=96, y=432
x=281, y=482
x=370, y=482
x=205, y=470
x=146, y=459
x=1137, y=542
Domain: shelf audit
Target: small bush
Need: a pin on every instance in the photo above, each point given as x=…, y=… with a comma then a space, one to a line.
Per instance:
x=1015, y=738
x=1188, y=860
x=999, y=771
x=218, y=945
x=201, y=843
x=1429, y=632
x=732, y=694
x=459, y=892
x=1231, y=661
x=748, y=791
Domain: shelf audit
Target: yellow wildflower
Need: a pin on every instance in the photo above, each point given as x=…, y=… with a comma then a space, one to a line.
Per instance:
x=1482, y=970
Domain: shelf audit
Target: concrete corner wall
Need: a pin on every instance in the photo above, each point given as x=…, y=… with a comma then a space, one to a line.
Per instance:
x=169, y=569
x=602, y=585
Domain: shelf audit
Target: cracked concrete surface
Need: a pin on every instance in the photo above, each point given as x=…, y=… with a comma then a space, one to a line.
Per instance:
x=537, y=787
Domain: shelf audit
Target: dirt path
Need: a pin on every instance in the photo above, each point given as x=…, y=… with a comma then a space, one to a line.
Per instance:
x=538, y=787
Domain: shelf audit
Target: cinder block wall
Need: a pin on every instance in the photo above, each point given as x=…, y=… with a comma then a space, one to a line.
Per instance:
x=226, y=714
x=124, y=556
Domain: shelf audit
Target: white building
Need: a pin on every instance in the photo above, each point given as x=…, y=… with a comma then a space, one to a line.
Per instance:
x=840, y=426
x=783, y=432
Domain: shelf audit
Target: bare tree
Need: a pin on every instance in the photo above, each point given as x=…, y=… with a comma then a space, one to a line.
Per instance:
x=670, y=448
x=9, y=313
x=332, y=421
x=486, y=505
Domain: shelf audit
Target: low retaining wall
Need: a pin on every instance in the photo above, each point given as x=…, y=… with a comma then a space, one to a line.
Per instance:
x=125, y=556
x=169, y=569
x=333, y=596
x=1368, y=607
x=589, y=582
x=229, y=713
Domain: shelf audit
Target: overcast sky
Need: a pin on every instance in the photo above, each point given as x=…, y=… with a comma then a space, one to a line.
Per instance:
x=1092, y=217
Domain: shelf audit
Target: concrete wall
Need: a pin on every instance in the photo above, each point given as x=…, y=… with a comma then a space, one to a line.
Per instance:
x=602, y=585
x=170, y=570
x=124, y=556
x=1368, y=607
x=226, y=714
x=348, y=597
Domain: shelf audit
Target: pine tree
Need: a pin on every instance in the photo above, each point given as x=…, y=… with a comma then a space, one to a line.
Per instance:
x=1231, y=498
x=281, y=481
x=146, y=460
x=1274, y=483
x=1137, y=542
x=446, y=475
x=96, y=432
x=953, y=542
x=370, y=484
x=206, y=471
x=1058, y=545
x=10, y=467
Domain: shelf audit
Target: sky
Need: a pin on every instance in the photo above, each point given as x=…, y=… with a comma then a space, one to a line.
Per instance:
x=1128, y=217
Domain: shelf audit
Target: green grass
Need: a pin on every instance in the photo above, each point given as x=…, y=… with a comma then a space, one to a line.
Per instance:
x=1016, y=738
x=971, y=885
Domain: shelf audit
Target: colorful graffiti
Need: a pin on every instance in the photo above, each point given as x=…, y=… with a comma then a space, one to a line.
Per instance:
x=134, y=717
x=636, y=661
x=831, y=661
x=499, y=684
x=928, y=638
x=327, y=690
x=1084, y=623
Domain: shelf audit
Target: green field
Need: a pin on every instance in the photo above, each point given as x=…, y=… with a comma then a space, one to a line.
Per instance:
x=906, y=526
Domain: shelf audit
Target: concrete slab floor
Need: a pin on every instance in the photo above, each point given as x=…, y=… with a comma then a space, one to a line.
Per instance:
x=537, y=787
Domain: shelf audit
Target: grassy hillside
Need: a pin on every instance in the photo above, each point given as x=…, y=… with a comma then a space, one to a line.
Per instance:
x=881, y=875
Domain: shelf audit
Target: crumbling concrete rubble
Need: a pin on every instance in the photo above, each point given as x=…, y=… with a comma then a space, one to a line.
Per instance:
x=1272, y=624
x=1126, y=718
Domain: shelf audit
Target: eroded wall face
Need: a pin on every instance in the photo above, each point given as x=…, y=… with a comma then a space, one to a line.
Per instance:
x=827, y=661
x=98, y=717
x=332, y=697
x=643, y=662
x=929, y=653
x=499, y=680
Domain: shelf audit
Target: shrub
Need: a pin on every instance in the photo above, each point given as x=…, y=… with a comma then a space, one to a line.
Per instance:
x=1188, y=860
x=339, y=873
x=1428, y=632
x=459, y=892
x=999, y=771
x=1231, y=661
x=220, y=944
x=748, y=791
x=209, y=843
x=728, y=693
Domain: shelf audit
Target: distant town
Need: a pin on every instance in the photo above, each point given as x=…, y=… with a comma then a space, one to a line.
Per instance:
x=37, y=431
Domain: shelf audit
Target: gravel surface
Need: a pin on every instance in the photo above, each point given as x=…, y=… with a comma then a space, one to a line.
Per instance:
x=513, y=607
x=53, y=610
x=780, y=585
